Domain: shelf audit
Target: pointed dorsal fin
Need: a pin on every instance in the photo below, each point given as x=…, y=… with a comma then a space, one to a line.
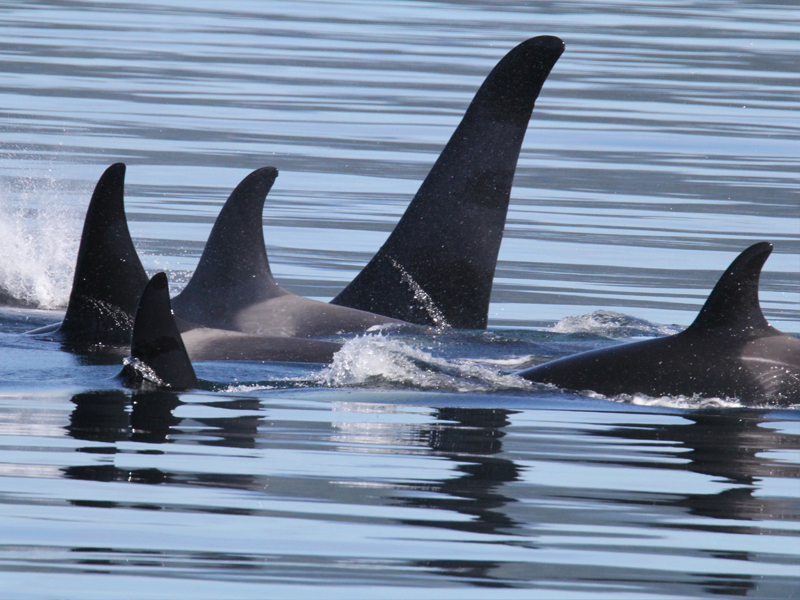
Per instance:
x=437, y=266
x=233, y=271
x=109, y=276
x=157, y=349
x=733, y=303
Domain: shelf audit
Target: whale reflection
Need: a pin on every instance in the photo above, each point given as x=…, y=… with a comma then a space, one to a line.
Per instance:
x=472, y=438
x=148, y=417
x=732, y=447
x=509, y=479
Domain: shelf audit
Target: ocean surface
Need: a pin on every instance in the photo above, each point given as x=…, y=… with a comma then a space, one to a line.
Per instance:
x=664, y=142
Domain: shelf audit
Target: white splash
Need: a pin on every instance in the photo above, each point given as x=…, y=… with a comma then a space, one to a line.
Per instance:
x=613, y=324
x=421, y=296
x=240, y=388
x=376, y=360
x=38, y=245
x=687, y=402
x=143, y=371
x=513, y=363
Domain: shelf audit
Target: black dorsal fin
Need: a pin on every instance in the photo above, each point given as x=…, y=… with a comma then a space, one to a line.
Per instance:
x=733, y=303
x=437, y=266
x=109, y=276
x=157, y=350
x=233, y=271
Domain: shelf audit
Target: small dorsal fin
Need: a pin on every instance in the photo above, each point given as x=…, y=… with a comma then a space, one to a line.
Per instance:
x=109, y=276
x=158, y=354
x=233, y=271
x=437, y=266
x=733, y=303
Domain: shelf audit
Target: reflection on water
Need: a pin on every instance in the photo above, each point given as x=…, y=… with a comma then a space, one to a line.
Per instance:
x=390, y=471
x=473, y=439
x=731, y=446
x=111, y=417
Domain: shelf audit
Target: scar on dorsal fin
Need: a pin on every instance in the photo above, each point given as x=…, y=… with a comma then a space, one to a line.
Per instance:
x=109, y=276
x=158, y=354
x=733, y=303
x=438, y=264
x=233, y=271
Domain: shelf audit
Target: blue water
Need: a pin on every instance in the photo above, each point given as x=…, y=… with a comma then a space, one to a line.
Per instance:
x=663, y=143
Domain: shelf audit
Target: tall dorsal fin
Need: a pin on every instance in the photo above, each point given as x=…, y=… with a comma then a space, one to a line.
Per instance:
x=733, y=303
x=233, y=271
x=437, y=266
x=157, y=349
x=109, y=276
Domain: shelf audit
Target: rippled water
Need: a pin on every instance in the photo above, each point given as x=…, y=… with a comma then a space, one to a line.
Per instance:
x=663, y=143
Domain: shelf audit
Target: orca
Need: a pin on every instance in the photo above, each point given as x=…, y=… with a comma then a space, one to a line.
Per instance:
x=462, y=204
x=729, y=351
x=163, y=347
x=158, y=355
x=233, y=289
x=109, y=277
x=110, y=280
x=437, y=266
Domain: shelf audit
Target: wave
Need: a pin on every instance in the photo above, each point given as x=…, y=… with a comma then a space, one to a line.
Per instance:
x=613, y=324
x=377, y=360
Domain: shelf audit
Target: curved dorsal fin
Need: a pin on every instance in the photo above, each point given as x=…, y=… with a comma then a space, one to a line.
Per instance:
x=109, y=276
x=733, y=303
x=233, y=271
x=437, y=266
x=157, y=348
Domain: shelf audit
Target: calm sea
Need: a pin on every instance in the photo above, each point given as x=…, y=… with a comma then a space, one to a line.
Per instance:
x=664, y=142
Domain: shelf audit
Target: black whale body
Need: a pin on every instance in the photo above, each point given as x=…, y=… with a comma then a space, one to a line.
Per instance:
x=729, y=351
x=110, y=280
x=160, y=347
x=109, y=277
x=233, y=288
x=437, y=266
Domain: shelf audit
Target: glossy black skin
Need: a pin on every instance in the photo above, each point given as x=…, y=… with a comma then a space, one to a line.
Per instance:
x=730, y=351
x=461, y=206
x=109, y=277
x=156, y=344
x=437, y=266
x=110, y=280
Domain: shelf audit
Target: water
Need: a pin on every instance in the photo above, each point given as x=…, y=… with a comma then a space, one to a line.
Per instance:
x=663, y=143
